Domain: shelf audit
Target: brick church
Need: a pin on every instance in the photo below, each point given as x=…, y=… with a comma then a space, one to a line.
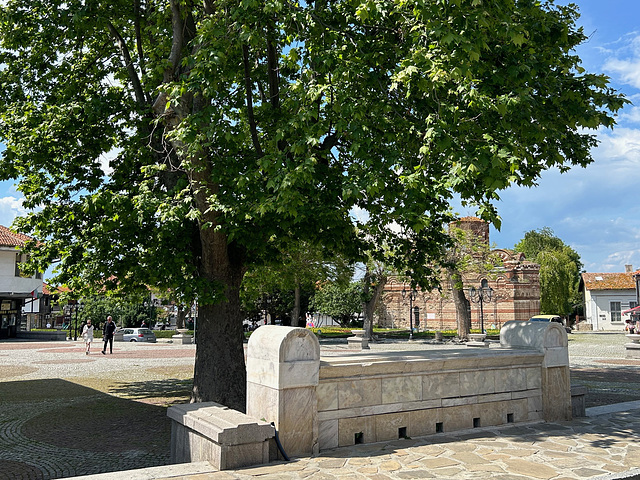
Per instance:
x=515, y=296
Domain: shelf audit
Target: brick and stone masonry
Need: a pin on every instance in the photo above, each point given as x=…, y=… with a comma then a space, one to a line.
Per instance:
x=515, y=284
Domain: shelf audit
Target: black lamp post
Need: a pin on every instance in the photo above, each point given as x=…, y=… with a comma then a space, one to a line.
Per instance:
x=77, y=306
x=481, y=295
x=412, y=296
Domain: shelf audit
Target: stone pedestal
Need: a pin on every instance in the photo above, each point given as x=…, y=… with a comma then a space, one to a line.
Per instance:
x=283, y=365
x=578, y=401
x=358, y=340
x=438, y=336
x=477, y=340
x=226, y=438
x=633, y=348
x=550, y=338
x=182, y=338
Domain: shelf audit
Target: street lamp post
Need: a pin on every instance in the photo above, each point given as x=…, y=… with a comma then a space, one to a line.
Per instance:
x=481, y=295
x=412, y=296
x=73, y=323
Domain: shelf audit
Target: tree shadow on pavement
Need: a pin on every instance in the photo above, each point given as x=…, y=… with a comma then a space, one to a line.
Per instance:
x=606, y=386
x=164, y=392
x=82, y=429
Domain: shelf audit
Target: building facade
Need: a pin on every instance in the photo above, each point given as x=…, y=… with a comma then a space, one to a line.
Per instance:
x=515, y=295
x=18, y=293
x=607, y=296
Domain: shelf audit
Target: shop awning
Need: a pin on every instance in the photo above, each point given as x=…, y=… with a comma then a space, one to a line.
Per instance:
x=632, y=310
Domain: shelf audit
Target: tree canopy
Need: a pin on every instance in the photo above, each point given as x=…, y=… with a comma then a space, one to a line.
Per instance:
x=342, y=302
x=173, y=143
x=560, y=267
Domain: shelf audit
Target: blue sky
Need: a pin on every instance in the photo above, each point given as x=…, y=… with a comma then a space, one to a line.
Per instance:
x=595, y=210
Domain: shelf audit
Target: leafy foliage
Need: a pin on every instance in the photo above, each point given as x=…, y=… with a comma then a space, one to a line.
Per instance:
x=560, y=267
x=126, y=312
x=341, y=302
x=273, y=287
x=173, y=143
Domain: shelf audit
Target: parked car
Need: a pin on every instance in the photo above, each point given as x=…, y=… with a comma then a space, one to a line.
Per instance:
x=550, y=318
x=138, y=335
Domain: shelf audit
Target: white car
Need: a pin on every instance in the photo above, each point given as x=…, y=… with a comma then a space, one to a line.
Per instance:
x=138, y=335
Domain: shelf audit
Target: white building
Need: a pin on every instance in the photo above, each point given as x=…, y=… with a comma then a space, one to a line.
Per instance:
x=606, y=296
x=18, y=293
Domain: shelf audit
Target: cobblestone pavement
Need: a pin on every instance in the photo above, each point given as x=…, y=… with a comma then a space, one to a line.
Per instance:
x=64, y=414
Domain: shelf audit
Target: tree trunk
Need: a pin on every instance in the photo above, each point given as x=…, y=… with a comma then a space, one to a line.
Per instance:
x=463, y=319
x=219, y=373
x=295, y=315
x=180, y=317
x=369, y=307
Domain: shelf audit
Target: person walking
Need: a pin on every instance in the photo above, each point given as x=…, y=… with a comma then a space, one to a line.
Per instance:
x=107, y=335
x=87, y=334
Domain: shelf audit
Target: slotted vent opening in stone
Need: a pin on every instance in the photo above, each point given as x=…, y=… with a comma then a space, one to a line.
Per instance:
x=358, y=438
x=439, y=427
x=510, y=418
x=476, y=422
x=402, y=432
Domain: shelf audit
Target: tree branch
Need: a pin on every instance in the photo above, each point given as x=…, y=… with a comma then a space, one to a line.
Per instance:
x=273, y=70
x=128, y=63
x=247, y=86
x=136, y=8
x=177, y=42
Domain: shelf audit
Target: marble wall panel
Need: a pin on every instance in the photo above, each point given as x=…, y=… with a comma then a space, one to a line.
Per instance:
x=477, y=382
x=491, y=414
x=263, y=402
x=359, y=393
x=457, y=418
x=349, y=427
x=328, y=434
x=401, y=389
x=327, y=393
x=510, y=379
x=440, y=385
x=520, y=410
x=534, y=407
x=534, y=377
x=423, y=422
x=556, y=398
x=297, y=426
x=387, y=426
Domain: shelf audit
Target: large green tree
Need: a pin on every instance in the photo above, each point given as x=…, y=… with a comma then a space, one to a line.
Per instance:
x=168, y=143
x=341, y=301
x=560, y=267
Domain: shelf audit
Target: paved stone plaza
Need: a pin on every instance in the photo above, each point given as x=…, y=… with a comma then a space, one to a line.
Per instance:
x=63, y=414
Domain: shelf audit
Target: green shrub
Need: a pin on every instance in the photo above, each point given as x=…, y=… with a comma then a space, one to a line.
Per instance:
x=169, y=333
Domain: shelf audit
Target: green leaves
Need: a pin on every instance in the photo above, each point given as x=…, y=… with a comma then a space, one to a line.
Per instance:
x=268, y=120
x=560, y=267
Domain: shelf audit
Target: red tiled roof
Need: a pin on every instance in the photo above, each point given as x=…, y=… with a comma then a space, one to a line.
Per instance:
x=49, y=290
x=608, y=281
x=9, y=238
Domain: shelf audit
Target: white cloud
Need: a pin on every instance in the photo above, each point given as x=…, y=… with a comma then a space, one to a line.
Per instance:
x=625, y=61
x=620, y=147
x=10, y=208
x=630, y=114
x=628, y=71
